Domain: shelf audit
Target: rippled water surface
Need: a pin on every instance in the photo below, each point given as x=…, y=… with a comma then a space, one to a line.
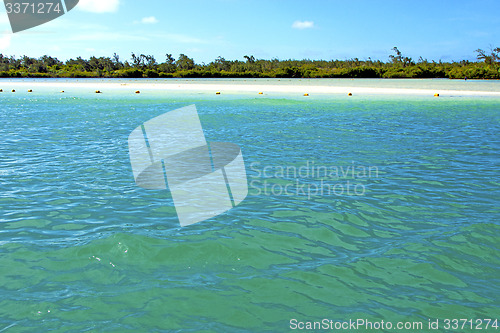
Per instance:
x=384, y=208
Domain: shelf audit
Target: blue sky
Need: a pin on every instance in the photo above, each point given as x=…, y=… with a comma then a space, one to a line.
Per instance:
x=204, y=30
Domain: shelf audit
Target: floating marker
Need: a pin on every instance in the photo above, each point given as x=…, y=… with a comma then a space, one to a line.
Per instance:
x=436, y=95
x=349, y=94
x=13, y=90
x=306, y=94
x=217, y=93
x=30, y=90
x=261, y=93
x=62, y=91
x=137, y=92
x=98, y=92
x=1, y=90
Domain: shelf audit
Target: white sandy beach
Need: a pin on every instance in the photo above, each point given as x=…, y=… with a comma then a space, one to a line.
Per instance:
x=232, y=87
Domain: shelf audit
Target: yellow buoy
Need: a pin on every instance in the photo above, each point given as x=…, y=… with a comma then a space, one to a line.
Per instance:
x=30, y=90
x=1, y=90
x=306, y=94
x=217, y=93
x=436, y=95
x=62, y=91
x=261, y=93
x=137, y=92
x=13, y=90
x=98, y=92
x=349, y=94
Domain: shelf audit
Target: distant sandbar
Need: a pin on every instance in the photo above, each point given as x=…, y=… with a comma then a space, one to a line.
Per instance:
x=232, y=87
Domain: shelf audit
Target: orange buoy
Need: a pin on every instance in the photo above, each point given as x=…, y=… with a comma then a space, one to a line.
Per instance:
x=306, y=94
x=261, y=93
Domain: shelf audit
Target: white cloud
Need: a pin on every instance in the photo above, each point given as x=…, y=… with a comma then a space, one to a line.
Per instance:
x=99, y=6
x=4, y=18
x=5, y=41
x=107, y=36
x=303, y=24
x=149, y=20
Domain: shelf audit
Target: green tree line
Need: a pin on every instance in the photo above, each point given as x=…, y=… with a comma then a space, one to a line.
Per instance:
x=398, y=65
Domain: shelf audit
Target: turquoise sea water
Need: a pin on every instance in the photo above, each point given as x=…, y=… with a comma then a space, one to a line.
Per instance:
x=82, y=248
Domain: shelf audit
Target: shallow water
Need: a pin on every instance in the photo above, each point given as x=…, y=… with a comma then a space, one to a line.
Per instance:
x=410, y=235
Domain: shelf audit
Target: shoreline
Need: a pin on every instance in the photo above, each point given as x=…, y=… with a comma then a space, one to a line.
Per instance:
x=236, y=87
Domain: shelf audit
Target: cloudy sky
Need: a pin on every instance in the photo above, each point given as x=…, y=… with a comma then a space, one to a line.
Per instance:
x=284, y=29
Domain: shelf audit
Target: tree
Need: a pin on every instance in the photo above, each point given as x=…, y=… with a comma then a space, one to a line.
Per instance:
x=396, y=58
x=79, y=64
x=250, y=59
x=222, y=64
x=496, y=53
x=400, y=59
x=144, y=61
x=491, y=58
x=49, y=61
x=407, y=61
x=27, y=61
x=169, y=59
x=184, y=62
x=169, y=65
x=398, y=65
x=37, y=67
x=116, y=61
x=149, y=61
x=137, y=62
